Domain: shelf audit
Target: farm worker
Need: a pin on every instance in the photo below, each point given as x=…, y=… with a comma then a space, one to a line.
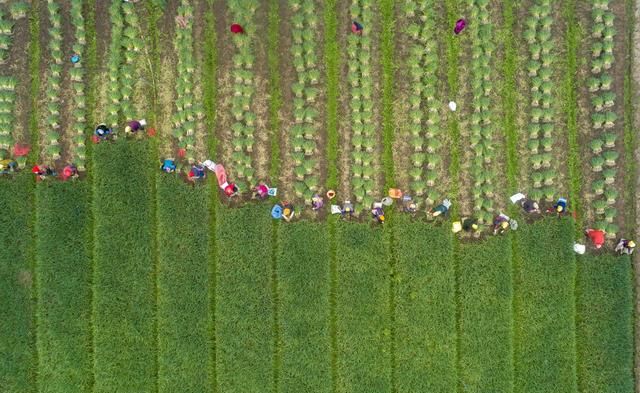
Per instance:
x=7, y=166
x=168, y=166
x=377, y=212
x=236, y=29
x=470, y=224
x=231, y=190
x=529, y=206
x=596, y=236
x=442, y=208
x=135, y=126
x=347, y=208
x=500, y=223
x=196, y=173
x=560, y=206
x=625, y=246
x=317, y=202
x=410, y=207
x=42, y=171
x=69, y=171
x=460, y=25
x=356, y=28
x=262, y=191
x=287, y=211
x=102, y=131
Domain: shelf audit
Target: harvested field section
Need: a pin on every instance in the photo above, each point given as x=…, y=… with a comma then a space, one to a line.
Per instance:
x=124, y=271
x=485, y=293
x=420, y=118
x=425, y=308
x=183, y=284
x=545, y=337
x=303, y=292
x=244, y=304
x=17, y=330
x=63, y=275
x=605, y=324
x=362, y=308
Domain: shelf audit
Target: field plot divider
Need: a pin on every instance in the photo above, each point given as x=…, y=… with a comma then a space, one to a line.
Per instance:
x=332, y=66
x=453, y=54
x=209, y=78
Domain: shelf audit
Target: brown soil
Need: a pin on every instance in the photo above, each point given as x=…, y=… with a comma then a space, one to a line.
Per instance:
x=376, y=75
x=147, y=79
x=17, y=65
x=343, y=191
x=67, y=105
x=200, y=10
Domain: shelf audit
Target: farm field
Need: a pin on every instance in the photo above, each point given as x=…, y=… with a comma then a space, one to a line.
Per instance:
x=129, y=279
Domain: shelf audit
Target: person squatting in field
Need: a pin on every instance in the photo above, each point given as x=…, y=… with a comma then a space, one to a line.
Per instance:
x=230, y=189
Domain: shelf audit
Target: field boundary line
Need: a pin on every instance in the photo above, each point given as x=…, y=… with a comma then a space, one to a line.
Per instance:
x=387, y=10
x=632, y=152
x=34, y=72
x=91, y=83
x=332, y=64
x=275, y=103
x=210, y=96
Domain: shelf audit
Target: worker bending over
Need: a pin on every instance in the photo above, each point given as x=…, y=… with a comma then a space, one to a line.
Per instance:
x=625, y=246
x=596, y=236
x=442, y=209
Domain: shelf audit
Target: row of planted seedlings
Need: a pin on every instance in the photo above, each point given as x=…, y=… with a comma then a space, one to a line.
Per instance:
x=541, y=126
x=304, y=131
x=7, y=90
x=124, y=53
x=77, y=76
x=482, y=130
x=425, y=131
x=244, y=89
x=18, y=11
x=363, y=128
x=52, y=148
x=603, y=146
x=188, y=111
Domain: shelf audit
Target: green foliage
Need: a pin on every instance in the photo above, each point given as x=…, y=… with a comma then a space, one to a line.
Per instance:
x=544, y=274
x=183, y=304
x=64, y=273
x=18, y=368
x=362, y=304
x=124, y=283
x=486, y=320
x=244, y=331
x=605, y=323
x=425, y=310
x=303, y=258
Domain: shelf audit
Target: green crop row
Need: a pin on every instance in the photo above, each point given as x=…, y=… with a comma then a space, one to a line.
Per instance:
x=124, y=55
x=482, y=127
x=114, y=95
x=183, y=285
x=605, y=306
x=303, y=133
x=425, y=307
x=52, y=148
x=77, y=74
x=538, y=35
x=7, y=116
x=244, y=89
x=605, y=156
x=544, y=306
x=63, y=273
x=124, y=291
x=303, y=294
x=485, y=292
x=363, y=128
x=17, y=330
x=424, y=117
x=244, y=303
x=362, y=309
x=187, y=110
x=6, y=33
